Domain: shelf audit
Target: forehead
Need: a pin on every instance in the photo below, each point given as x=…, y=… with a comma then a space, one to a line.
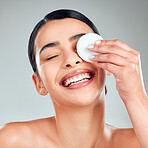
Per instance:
x=60, y=30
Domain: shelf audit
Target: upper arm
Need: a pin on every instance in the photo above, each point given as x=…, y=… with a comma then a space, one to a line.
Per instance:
x=126, y=138
x=132, y=138
x=7, y=137
x=11, y=136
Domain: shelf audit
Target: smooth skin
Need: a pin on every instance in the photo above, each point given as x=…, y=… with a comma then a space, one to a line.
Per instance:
x=79, y=120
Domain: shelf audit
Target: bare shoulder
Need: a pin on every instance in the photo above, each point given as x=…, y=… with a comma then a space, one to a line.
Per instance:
x=12, y=134
x=125, y=138
x=26, y=134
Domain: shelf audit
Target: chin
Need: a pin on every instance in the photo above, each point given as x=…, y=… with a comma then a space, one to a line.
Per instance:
x=86, y=97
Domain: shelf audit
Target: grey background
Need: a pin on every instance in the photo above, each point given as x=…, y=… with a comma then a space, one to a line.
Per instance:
x=116, y=19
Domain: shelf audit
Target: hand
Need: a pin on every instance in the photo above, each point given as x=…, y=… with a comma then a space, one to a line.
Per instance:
x=124, y=63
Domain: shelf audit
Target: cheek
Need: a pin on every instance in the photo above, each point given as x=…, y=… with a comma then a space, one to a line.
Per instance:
x=101, y=77
x=48, y=74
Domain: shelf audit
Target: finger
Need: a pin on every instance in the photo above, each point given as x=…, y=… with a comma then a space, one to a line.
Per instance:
x=118, y=43
x=112, y=68
x=112, y=49
x=110, y=58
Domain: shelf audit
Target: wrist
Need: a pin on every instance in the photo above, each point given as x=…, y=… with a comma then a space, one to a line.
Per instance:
x=135, y=99
x=138, y=102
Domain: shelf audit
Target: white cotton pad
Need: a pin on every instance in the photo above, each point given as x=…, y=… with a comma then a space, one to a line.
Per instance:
x=83, y=43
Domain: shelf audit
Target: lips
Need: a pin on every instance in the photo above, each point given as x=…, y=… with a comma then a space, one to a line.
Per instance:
x=75, y=73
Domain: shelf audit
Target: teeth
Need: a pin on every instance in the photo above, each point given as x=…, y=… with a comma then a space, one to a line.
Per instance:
x=78, y=82
x=67, y=83
x=77, y=79
x=83, y=75
x=71, y=80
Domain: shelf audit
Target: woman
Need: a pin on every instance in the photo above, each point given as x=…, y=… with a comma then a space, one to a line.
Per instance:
x=79, y=107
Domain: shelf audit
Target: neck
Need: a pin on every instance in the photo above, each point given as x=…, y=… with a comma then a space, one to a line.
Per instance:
x=81, y=126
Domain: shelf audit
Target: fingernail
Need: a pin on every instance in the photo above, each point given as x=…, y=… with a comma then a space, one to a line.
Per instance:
x=97, y=42
x=91, y=57
x=91, y=46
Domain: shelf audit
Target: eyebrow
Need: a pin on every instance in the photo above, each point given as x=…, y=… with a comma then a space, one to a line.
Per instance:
x=53, y=44
x=77, y=36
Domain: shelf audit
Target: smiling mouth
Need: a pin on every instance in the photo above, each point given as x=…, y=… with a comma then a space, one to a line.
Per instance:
x=78, y=80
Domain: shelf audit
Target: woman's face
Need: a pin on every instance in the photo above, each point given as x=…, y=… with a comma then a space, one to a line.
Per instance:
x=58, y=39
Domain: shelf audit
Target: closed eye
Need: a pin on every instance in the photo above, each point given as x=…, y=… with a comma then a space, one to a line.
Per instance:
x=52, y=57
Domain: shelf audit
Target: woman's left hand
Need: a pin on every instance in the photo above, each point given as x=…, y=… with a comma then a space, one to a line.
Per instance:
x=124, y=63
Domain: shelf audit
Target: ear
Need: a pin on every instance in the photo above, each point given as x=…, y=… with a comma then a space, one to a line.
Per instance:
x=39, y=85
x=108, y=73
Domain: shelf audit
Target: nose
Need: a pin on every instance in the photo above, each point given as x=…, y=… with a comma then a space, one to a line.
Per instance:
x=72, y=60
